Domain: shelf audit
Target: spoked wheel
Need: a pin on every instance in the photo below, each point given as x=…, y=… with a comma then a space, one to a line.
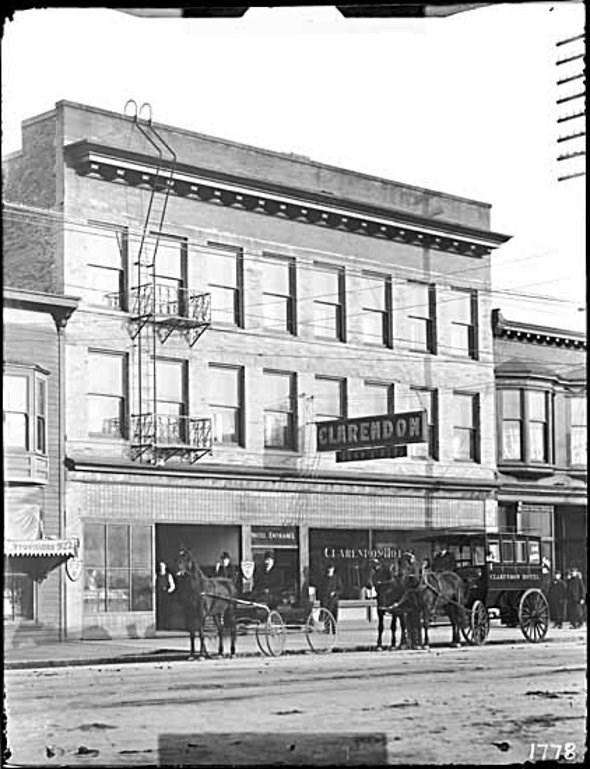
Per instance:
x=271, y=635
x=533, y=615
x=476, y=632
x=320, y=630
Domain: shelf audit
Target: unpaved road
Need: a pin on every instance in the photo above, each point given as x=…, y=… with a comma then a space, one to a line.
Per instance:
x=484, y=705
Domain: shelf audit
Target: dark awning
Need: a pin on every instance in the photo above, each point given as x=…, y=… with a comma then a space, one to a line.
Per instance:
x=38, y=557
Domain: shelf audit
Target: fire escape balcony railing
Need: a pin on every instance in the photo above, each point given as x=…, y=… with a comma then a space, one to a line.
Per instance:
x=162, y=301
x=165, y=430
x=168, y=309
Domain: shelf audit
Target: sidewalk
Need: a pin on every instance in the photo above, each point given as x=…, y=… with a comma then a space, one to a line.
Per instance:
x=167, y=647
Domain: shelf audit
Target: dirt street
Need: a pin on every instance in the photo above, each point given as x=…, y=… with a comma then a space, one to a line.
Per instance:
x=497, y=704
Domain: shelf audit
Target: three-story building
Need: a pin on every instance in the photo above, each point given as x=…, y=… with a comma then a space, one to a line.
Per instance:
x=231, y=298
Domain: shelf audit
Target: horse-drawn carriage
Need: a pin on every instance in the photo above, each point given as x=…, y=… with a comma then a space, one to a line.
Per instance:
x=216, y=601
x=499, y=572
x=271, y=625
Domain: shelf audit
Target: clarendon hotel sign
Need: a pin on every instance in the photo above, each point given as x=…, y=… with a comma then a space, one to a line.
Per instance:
x=375, y=431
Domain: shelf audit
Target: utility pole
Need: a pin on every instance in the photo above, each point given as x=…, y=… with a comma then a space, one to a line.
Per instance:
x=571, y=104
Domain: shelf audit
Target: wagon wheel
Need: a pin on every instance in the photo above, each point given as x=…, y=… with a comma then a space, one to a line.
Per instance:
x=533, y=615
x=320, y=630
x=476, y=632
x=260, y=630
x=271, y=635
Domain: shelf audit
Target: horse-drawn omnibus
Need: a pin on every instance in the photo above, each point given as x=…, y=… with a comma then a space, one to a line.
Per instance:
x=502, y=572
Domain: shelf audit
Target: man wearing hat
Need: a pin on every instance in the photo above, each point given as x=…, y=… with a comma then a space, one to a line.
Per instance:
x=267, y=581
x=330, y=590
x=225, y=568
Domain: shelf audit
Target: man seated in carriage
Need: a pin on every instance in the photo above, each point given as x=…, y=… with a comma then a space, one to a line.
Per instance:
x=267, y=582
x=444, y=560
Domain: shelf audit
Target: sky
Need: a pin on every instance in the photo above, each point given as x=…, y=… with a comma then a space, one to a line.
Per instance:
x=464, y=105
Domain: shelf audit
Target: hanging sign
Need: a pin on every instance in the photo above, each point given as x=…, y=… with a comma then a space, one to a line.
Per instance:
x=366, y=432
x=74, y=568
x=380, y=452
x=247, y=569
x=274, y=536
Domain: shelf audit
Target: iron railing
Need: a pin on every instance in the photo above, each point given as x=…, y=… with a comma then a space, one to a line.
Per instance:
x=170, y=430
x=161, y=300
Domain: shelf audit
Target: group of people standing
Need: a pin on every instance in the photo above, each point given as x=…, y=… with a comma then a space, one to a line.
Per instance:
x=567, y=598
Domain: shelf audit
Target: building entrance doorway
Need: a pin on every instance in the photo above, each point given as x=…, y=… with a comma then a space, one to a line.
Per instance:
x=206, y=543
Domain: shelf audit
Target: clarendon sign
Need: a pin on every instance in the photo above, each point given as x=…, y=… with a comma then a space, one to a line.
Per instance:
x=364, y=432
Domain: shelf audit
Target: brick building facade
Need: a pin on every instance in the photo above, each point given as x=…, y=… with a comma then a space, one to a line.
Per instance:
x=231, y=297
x=542, y=436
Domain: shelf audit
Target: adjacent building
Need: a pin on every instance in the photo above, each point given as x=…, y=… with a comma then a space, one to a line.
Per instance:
x=35, y=541
x=230, y=299
x=542, y=428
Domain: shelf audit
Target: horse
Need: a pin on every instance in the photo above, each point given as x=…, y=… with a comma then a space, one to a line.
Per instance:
x=434, y=590
x=390, y=588
x=201, y=597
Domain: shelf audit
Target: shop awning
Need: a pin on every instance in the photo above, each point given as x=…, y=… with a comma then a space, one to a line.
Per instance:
x=39, y=548
x=38, y=557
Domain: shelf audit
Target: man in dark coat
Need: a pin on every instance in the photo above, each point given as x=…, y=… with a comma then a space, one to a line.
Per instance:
x=576, y=594
x=557, y=597
x=444, y=560
x=267, y=582
x=225, y=569
x=330, y=590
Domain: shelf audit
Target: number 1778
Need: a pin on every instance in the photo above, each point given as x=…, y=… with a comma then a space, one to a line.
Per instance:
x=544, y=751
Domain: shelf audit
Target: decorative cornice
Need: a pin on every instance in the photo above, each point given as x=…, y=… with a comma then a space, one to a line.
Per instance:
x=139, y=170
x=60, y=307
x=529, y=332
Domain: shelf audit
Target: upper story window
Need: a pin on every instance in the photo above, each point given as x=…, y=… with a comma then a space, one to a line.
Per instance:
x=425, y=399
x=170, y=255
x=225, y=265
x=25, y=410
x=578, y=431
x=377, y=398
x=227, y=403
x=512, y=424
x=278, y=297
x=463, y=311
x=538, y=425
x=279, y=410
x=525, y=419
x=466, y=426
x=420, y=307
x=329, y=398
x=107, y=394
x=107, y=265
x=328, y=291
x=376, y=313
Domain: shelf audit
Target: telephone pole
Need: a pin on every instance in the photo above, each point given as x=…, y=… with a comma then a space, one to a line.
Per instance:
x=571, y=104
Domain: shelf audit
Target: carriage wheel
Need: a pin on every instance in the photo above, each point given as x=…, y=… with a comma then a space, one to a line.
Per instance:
x=271, y=635
x=320, y=630
x=261, y=637
x=533, y=615
x=476, y=632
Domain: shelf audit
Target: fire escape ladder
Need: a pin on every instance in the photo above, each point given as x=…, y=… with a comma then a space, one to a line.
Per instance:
x=160, y=310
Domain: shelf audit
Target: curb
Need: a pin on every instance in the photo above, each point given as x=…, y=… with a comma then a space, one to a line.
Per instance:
x=177, y=656
x=171, y=656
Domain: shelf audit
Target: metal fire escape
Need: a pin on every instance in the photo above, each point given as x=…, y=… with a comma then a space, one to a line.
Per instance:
x=157, y=311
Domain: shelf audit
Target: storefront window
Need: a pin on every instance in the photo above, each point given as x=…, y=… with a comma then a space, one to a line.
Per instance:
x=118, y=568
x=18, y=596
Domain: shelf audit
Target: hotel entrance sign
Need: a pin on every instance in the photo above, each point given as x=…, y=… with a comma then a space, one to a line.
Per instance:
x=366, y=432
